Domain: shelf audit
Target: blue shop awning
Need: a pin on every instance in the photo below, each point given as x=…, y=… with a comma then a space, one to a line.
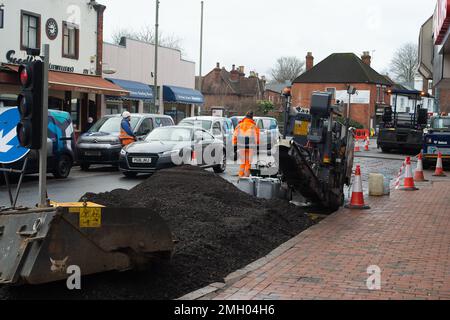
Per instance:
x=138, y=90
x=182, y=95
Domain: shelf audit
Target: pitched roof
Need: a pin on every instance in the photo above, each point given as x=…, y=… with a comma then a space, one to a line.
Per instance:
x=251, y=86
x=277, y=86
x=342, y=68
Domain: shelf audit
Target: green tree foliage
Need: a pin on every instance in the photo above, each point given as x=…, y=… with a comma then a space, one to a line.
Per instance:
x=266, y=106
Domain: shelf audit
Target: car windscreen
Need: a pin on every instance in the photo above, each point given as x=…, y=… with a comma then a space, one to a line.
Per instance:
x=204, y=124
x=112, y=124
x=270, y=124
x=442, y=123
x=170, y=134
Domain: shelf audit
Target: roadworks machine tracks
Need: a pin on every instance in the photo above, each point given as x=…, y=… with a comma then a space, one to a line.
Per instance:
x=37, y=245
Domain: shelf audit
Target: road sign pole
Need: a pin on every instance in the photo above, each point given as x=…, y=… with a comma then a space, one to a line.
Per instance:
x=43, y=151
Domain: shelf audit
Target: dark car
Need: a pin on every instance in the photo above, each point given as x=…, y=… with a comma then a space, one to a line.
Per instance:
x=101, y=144
x=171, y=146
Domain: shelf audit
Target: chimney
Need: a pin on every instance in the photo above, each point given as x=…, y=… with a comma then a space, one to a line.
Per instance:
x=366, y=58
x=217, y=71
x=242, y=70
x=234, y=74
x=309, y=61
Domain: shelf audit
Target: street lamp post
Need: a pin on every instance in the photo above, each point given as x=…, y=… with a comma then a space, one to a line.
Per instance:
x=199, y=88
x=155, y=87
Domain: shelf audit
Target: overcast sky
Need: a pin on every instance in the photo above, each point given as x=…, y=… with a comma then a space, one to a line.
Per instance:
x=254, y=33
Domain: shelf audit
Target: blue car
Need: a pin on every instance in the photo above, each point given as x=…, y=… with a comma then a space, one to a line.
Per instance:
x=60, y=146
x=437, y=139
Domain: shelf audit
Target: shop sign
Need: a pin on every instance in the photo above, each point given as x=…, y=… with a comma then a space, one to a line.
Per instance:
x=361, y=96
x=441, y=21
x=10, y=57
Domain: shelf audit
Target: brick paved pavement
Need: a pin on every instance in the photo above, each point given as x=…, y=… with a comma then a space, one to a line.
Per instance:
x=406, y=235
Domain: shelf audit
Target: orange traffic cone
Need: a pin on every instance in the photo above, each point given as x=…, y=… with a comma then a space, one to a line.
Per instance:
x=409, y=180
x=193, y=158
x=418, y=174
x=439, y=167
x=357, y=201
x=366, y=146
x=357, y=147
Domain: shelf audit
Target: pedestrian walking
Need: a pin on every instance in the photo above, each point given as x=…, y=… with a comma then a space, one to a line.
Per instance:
x=246, y=141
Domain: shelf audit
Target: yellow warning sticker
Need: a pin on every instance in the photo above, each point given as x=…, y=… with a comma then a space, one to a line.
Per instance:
x=301, y=128
x=90, y=217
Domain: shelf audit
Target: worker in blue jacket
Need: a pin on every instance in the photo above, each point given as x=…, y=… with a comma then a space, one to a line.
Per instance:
x=126, y=133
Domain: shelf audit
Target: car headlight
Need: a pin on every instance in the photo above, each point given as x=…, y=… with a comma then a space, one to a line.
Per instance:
x=123, y=152
x=171, y=152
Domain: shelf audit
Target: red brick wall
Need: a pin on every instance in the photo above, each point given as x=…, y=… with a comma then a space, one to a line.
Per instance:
x=275, y=98
x=233, y=103
x=301, y=96
x=444, y=100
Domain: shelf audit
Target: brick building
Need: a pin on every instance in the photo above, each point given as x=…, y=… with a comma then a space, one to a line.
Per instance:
x=335, y=74
x=434, y=57
x=232, y=90
x=272, y=93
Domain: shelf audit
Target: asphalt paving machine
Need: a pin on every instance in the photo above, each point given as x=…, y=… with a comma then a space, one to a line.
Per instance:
x=316, y=151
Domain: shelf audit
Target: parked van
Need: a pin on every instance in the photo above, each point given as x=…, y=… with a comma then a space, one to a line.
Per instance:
x=60, y=146
x=101, y=144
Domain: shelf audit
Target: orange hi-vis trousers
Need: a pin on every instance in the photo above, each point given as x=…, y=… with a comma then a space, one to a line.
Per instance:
x=246, y=156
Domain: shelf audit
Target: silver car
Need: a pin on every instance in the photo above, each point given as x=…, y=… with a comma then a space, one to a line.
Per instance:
x=221, y=128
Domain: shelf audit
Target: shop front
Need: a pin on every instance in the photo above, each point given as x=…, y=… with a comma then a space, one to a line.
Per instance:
x=139, y=100
x=78, y=94
x=180, y=103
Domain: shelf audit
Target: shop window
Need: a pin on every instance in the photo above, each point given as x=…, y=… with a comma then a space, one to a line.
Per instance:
x=75, y=113
x=30, y=37
x=2, y=18
x=71, y=39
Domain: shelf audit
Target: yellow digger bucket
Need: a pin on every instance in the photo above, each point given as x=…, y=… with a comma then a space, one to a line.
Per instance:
x=37, y=245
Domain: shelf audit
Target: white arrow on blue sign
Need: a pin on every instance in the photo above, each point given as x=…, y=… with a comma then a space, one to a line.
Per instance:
x=10, y=149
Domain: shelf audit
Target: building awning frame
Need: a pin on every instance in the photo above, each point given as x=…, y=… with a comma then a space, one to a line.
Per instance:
x=138, y=90
x=173, y=94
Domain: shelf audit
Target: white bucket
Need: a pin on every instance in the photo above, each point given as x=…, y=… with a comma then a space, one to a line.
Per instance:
x=247, y=185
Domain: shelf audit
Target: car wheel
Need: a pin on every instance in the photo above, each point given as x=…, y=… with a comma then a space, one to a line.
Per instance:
x=130, y=174
x=223, y=166
x=63, y=167
x=85, y=166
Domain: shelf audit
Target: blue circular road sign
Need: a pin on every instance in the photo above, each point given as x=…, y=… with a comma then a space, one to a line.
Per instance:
x=10, y=149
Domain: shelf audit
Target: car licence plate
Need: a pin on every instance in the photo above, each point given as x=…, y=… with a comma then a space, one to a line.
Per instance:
x=92, y=153
x=142, y=160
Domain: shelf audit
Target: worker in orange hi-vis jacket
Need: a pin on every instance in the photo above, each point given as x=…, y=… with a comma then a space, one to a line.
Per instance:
x=246, y=140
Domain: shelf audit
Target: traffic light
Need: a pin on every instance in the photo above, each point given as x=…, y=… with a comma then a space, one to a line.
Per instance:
x=29, y=129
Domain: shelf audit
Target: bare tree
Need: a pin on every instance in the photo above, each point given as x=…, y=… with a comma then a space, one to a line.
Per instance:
x=287, y=69
x=405, y=63
x=147, y=34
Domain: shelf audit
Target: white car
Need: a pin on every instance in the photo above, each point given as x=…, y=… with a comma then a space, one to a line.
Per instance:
x=221, y=128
